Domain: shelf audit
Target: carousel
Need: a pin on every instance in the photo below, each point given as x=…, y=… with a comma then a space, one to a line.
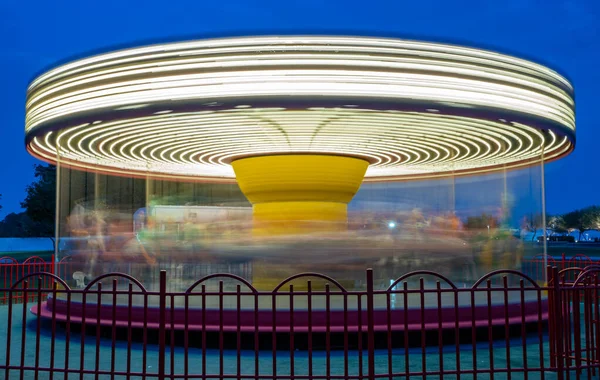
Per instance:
x=267, y=156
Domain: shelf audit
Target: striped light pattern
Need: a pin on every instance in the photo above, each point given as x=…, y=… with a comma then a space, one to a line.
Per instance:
x=411, y=109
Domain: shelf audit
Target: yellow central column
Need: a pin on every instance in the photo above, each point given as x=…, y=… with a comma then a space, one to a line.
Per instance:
x=299, y=193
x=296, y=195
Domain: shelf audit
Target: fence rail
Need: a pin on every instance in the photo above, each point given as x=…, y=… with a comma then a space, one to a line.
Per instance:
x=504, y=326
x=536, y=266
x=11, y=270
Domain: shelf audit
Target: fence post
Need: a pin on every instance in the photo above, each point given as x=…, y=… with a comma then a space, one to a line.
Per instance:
x=552, y=338
x=162, y=323
x=370, y=325
x=556, y=314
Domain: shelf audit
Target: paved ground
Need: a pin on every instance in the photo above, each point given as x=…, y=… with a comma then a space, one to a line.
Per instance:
x=247, y=360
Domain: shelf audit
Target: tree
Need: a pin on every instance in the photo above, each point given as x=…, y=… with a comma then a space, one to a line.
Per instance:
x=482, y=221
x=556, y=223
x=584, y=219
x=531, y=223
x=15, y=225
x=40, y=202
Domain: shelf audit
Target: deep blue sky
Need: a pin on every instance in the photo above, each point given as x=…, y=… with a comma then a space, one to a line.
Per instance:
x=36, y=34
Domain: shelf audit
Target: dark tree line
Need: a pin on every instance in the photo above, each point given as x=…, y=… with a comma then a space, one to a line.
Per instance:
x=40, y=200
x=583, y=220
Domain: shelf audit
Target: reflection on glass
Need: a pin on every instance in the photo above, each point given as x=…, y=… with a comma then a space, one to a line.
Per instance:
x=460, y=227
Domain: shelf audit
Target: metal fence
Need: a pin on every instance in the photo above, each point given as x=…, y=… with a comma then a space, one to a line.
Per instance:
x=535, y=266
x=12, y=271
x=505, y=326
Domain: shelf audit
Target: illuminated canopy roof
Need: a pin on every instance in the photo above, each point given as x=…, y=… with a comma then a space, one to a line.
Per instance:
x=188, y=109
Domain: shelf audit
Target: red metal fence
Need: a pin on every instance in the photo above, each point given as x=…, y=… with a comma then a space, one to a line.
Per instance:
x=422, y=325
x=535, y=266
x=12, y=271
x=575, y=320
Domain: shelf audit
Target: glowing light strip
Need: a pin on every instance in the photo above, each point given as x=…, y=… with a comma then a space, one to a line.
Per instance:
x=162, y=140
x=300, y=66
x=275, y=84
x=201, y=144
x=300, y=43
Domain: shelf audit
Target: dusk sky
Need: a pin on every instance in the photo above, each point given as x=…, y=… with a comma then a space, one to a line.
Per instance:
x=35, y=35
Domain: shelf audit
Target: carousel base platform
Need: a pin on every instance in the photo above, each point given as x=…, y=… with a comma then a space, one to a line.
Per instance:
x=420, y=324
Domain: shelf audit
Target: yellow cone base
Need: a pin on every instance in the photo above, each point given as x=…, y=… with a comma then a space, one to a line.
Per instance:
x=294, y=194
